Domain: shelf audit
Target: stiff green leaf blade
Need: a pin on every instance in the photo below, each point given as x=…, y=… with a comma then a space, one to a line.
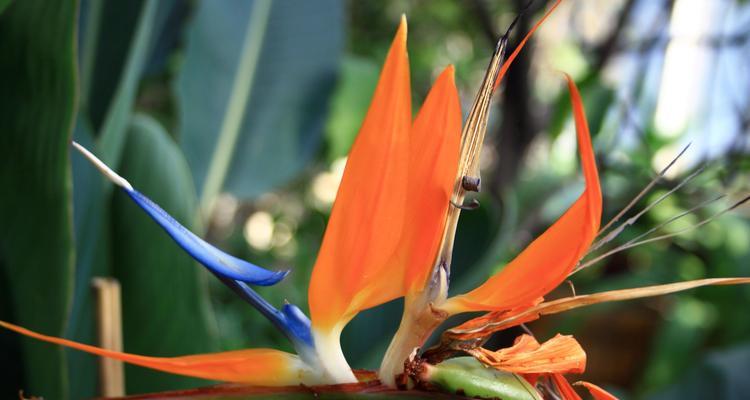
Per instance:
x=37, y=74
x=90, y=218
x=106, y=30
x=253, y=91
x=166, y=311
x=110, y=35
x=115, y=124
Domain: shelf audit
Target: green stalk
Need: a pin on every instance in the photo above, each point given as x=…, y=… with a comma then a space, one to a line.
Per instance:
x=422, y=311
x=238, y=100
x=120, y=111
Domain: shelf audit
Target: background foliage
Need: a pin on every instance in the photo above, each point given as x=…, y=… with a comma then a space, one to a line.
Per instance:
x=236, y=118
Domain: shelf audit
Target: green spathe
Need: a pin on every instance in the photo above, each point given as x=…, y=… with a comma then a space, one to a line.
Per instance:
x=468, y=377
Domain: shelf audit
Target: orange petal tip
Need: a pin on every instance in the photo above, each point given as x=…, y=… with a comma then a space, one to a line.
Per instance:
x=265, y=367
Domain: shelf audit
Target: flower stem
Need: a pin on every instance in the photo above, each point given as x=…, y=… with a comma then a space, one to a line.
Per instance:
x=421, y=317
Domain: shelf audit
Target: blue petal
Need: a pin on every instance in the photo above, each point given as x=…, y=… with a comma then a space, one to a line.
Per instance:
x=297, y=323
x=212, y=258
x=290, y=320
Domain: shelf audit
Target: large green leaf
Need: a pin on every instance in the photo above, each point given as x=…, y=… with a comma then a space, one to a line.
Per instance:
x=90, y=217
x=37, y=74
x=114, y=51
x=112, y=131
x=253, y=91
x=107, y=30
x=117, y=39
x=165, y=304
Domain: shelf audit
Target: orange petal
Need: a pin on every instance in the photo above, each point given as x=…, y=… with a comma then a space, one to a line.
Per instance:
x=367, y=219
x=479, y=326
x=518, y=48
x=564, y=388
x=433, y=162
x=546, y=262
x=264, y=367
x=596, y=392
x=559, y=355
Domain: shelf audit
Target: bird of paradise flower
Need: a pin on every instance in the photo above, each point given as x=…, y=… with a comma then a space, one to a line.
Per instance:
x=390, y=235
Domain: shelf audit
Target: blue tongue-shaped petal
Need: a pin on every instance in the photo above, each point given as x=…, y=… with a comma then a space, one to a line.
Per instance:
x=212, y=258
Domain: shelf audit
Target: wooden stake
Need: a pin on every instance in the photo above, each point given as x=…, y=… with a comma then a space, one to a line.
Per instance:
x=109, y=332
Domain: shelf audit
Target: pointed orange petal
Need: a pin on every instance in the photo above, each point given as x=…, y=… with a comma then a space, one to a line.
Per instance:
x=596, y=392
x=264, y=367
x=520, y=46
x=559, y=355
x=546, y=262
x=564, y=388
x=433, y=162
x=367, y=219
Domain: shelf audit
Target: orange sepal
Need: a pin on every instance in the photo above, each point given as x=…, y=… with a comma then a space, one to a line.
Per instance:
x=367, y=220
x=479, y=326
x=596, y=392
x=564, y=388
x=520, y=46
x=560, y=355
x=266, y=367
x=433, y=162
x=548, y=260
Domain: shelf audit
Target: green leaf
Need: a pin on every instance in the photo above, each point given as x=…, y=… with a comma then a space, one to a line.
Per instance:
x=166, y=311
x=4, y=4
x=253, y=91
x=90, y=219
x=597, y=98
x=719, y=375
x=349, y=104
x=112, y=132
x=466, y=376
x=678, y=342
x=37, y=74
x=108, y=32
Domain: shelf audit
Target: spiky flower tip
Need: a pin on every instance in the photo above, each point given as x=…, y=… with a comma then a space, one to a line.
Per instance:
x=390, y=235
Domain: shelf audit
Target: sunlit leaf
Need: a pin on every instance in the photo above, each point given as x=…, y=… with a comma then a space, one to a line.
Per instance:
x=252, y=91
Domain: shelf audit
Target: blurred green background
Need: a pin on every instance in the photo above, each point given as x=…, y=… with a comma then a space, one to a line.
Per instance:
x=236, y=117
